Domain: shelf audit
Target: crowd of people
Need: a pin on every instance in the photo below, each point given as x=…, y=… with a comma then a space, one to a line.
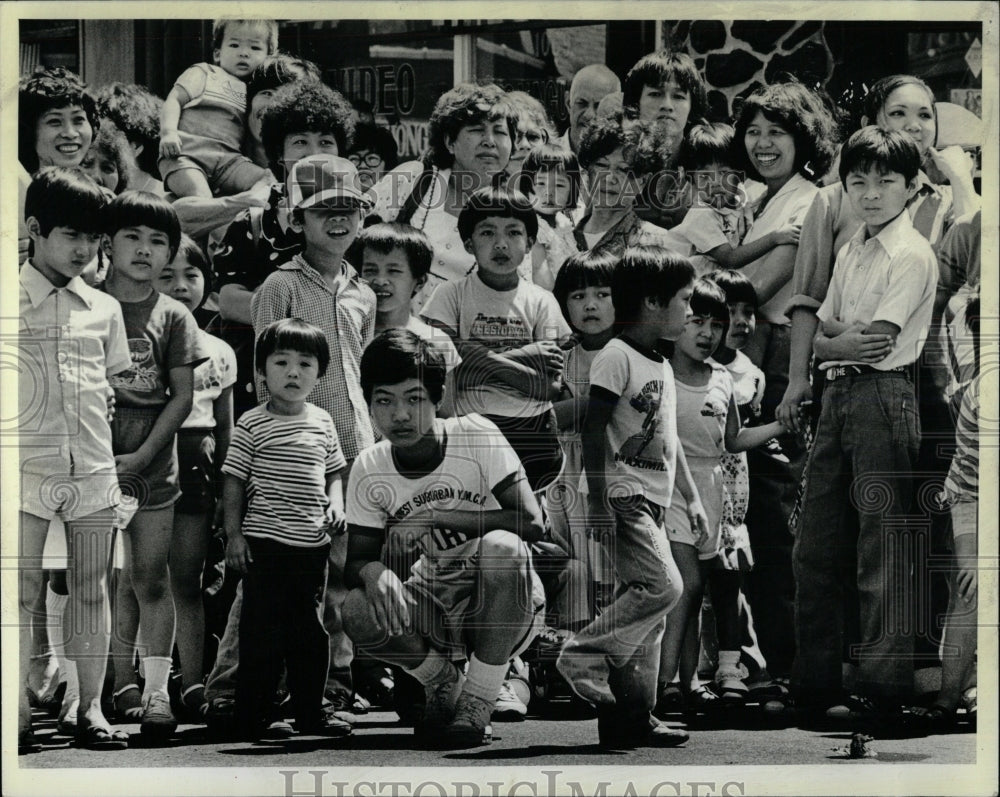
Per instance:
x=661, y=411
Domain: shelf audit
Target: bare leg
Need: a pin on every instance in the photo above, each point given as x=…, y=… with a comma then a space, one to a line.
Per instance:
x=189, y=182
x=31, y=543
x=89, y=544
x=679, y=620
x=505, y=611
x=187, y=559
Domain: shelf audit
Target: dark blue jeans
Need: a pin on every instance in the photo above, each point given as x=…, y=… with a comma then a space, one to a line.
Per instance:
x=858, y=491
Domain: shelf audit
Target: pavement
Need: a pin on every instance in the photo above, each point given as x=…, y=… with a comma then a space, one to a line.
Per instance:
x=379, y=739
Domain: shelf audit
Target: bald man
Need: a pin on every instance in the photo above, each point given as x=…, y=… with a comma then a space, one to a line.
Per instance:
x=590, y=85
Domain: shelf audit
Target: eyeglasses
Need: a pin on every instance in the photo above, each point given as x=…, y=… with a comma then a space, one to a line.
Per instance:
x=371, y=159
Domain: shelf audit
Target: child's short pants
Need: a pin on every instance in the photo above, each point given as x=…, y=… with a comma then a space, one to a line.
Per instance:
x=445, y=609
x=196, y=460
x=707, y=476
x=535, y=440
x=156, y=487
x=69, y=497
x=227, y=172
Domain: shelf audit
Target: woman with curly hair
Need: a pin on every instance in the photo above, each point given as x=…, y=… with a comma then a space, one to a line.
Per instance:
x=56, y=123
x=665, y=89
x=618, y=159
x=472, y=131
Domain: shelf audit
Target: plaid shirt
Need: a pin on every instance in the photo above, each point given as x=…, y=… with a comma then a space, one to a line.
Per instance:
x=346, y=315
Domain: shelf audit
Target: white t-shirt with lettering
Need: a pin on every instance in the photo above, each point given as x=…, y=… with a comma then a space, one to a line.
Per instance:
x=501, y=321
x=478, y=465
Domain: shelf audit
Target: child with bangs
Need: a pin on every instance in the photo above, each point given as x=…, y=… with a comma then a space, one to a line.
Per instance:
x=506, y=330
x=152, y=398
x=708, y=425
x=202, y=443
x=553, y=181
x=712, y=230
x=72, y=338
x=583, y=290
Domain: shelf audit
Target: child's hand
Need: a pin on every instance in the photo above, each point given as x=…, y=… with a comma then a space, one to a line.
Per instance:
x=549, y=353
x=336, y=521
x=699, y=521
x=390, y=602
x=599, y=514
x=170, y=144
x=111, y=404
x=217, y=519
x=130, y=463
x=954, y=162
x=789, y=234
x=238, y=555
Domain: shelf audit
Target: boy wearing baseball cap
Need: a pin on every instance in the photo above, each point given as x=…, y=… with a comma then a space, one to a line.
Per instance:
x=319, y=286
x=322, y=288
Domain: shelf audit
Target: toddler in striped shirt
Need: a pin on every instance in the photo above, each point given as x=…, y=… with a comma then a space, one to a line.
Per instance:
x=283, y=499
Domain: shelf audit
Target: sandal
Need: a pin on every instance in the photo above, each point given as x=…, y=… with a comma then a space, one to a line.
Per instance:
x=732, y=691
x=67, y=724
x=100, y=737
x=702, y=699
x=670, y=702
x=935, y=718
x=26, y=742
x=128, y=704
x=969, y=703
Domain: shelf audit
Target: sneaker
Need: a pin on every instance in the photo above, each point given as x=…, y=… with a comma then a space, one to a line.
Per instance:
x=508, y=707
x=586, y=674
x=325, y=725
x=439, y=703
x=158, y=720
x=279, y=729
x=470, y=726
x=340, y=706
x=128, y=704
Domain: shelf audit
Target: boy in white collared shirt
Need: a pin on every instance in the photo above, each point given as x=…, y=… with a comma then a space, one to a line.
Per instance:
x=859, y=476
x=71, y=340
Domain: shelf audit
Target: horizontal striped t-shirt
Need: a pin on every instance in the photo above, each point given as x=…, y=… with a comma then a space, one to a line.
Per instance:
x=962, y=482
x=284, y=461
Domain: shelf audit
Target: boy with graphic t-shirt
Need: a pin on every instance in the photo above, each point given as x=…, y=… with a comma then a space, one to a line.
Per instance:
x=631, y=455
x=452, y=492
x=506, y=331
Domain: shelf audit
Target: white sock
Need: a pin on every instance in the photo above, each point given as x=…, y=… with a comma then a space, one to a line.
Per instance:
x=432, y=669
x=484, y=680
x=729, y=662
x=157, y=674
x=55, y=613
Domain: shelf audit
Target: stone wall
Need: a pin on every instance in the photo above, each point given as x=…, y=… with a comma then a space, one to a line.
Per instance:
x=737, y=56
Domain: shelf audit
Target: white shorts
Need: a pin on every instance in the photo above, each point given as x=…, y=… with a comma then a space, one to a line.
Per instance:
x=66, y=496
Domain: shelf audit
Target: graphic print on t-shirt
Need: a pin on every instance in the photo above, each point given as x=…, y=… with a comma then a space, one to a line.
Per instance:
x=499, y=332
x=647, y=402
x=142, y=375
